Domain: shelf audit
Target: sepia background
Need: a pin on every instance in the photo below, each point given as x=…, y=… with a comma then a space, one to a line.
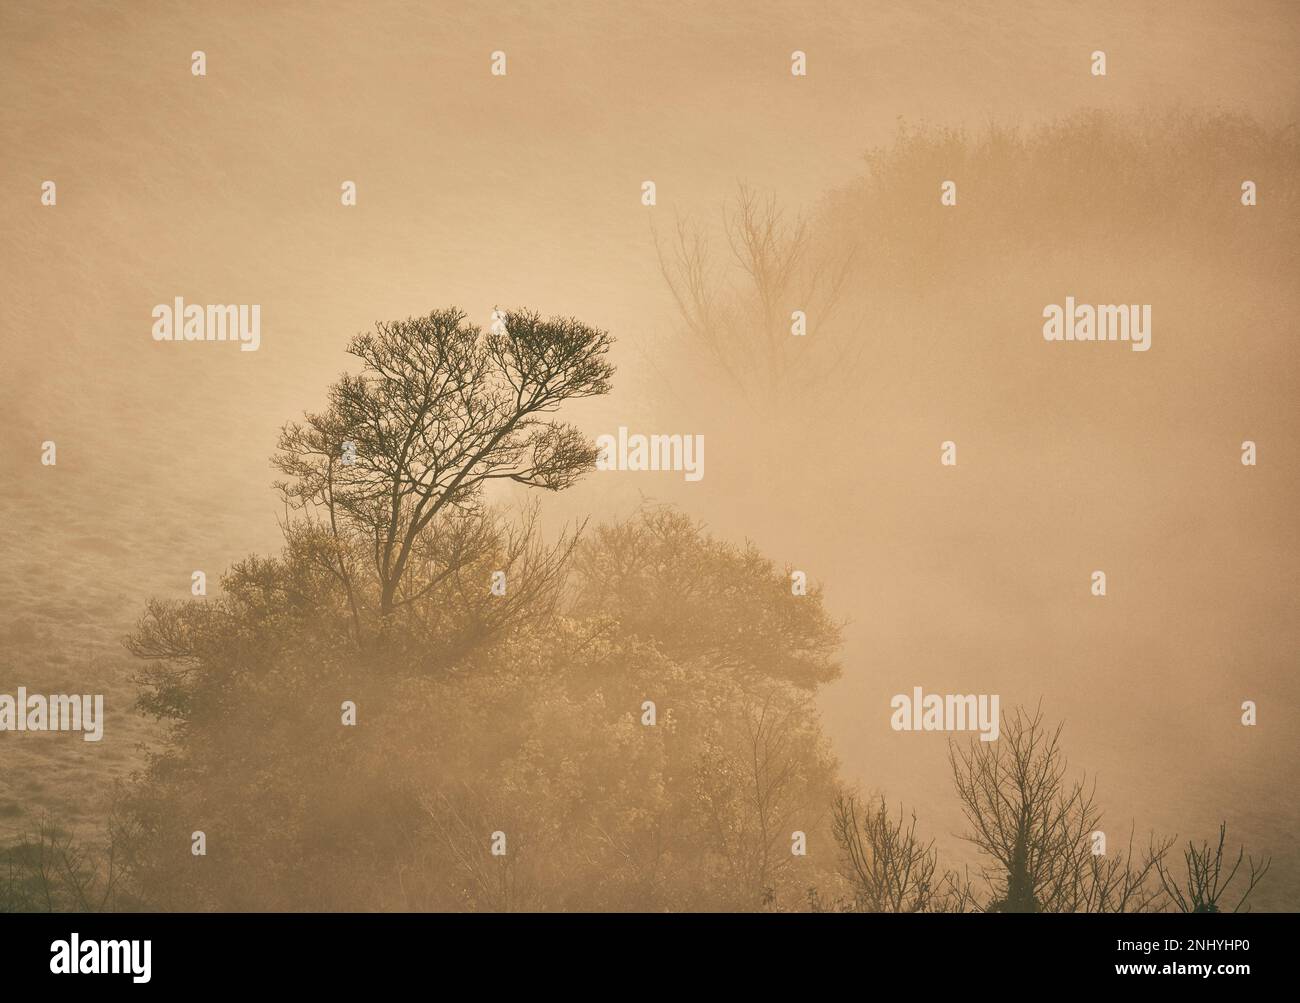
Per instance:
x=478, y=191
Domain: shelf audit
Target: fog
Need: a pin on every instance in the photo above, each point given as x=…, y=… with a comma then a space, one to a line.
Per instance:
x=479, y=191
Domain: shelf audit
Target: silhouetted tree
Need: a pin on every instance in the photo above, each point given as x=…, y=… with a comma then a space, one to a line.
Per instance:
x=394, y=467
x=1117, y=882
x=1036, y=829
x=1205, y=884
x=1024, y=816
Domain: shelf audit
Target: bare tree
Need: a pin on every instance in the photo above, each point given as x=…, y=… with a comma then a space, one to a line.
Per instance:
x=753, y=792
x=1031, y=824
x=50, y=870
x=534, y=570
x=1205, y=884
x=887, y=865
x=464, y=823
x=1038, y=830
x=741, y=317
x=394, y=468
x=1123, y=882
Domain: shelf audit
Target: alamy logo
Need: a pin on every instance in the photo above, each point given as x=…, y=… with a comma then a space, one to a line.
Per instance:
x=946, y=712
x=102, y=957
x=1086, y=322
x=651, y=452
x=57, y=712
x=178, y=322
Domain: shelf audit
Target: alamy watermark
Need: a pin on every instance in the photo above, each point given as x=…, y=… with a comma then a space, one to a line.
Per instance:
x=946, y=712
x=177, y=321
x=75, y=956
x=651, y=452
x=1104, y=322
x=56, y=712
